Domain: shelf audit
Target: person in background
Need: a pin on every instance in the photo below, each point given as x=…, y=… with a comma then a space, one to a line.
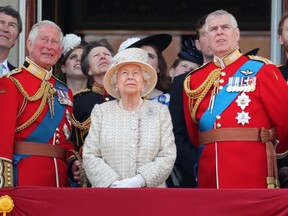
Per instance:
x=231, y=103
x=70, y=63
x=201, y=42
x=283, y=40
x=189, y=58
x=95, y=62
x=10, y=29
x=36, y=124
x=186, y=151
x=130, y=143
x=154, y=45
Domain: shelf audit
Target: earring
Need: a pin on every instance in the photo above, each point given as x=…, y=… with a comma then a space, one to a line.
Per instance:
x=116, y=88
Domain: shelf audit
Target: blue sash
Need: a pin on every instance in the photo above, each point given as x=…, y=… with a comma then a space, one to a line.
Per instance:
x=45, y=130
x=208, y=119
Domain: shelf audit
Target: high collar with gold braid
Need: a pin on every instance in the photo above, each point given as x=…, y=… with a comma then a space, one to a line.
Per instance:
x=228, y=59
x=211, y=80
x=45, y=92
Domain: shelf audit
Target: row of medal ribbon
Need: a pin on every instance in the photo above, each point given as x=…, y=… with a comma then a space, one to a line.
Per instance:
x=241, y=84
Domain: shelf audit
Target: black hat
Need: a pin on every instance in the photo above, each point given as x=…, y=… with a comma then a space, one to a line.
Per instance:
x=190, y=53
x=161, y=41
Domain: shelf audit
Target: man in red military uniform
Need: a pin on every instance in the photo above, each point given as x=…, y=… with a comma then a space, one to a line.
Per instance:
x=236, y=111
x=35, y=117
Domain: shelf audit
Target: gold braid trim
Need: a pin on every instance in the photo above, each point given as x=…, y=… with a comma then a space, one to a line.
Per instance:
x=82, y=126
x=202, y=90
x=36, y=96
x=39, y=110
x=97, y=89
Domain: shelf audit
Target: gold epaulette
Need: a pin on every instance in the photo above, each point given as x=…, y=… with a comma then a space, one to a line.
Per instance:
x=260, y=58
x=82, y=91
x=15, y=71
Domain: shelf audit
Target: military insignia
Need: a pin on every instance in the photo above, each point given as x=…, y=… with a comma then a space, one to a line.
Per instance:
x=66, y=131
x=64, y=98
x=243, y=118
x=247, y=72
x=68, y=117
x=243, y=100
x=259, y=58
x=150, y=112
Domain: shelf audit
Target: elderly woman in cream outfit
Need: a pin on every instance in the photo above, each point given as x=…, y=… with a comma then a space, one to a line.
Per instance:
x=130, y=143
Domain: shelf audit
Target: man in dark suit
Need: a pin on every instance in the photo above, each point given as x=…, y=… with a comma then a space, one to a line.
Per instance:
x=10, y=28
x=283, y=40
x=186, y=152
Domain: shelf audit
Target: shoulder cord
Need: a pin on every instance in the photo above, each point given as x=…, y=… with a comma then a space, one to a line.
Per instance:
x=83, y=126
x=202, y=90
x=43, y=92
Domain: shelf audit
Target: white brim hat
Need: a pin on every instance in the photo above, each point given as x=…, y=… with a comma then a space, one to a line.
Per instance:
x=130, y=56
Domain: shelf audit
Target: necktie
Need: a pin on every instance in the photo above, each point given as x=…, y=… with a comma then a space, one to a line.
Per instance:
x=1, y=69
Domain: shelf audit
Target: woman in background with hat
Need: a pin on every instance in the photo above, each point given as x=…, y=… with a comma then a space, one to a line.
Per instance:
x=130, y=143
x=154, y=45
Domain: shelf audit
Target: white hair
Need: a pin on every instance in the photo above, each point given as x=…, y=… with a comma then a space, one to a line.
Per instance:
x=146, y=78
x=35, y=30
x=220, y=13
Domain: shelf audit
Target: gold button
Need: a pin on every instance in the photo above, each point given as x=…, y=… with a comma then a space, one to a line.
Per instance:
x=220, y=87
x=221, y=80
x=223, y=73
x=57, y=130
x=57, y=135
x=218, y=117
x=218, y=125
x=57, y=141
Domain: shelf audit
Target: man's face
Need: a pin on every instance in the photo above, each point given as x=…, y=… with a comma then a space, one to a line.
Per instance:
x=203, y=45
x=283, y=38
x=46, y=49
x=222, y=36
x=8, y=31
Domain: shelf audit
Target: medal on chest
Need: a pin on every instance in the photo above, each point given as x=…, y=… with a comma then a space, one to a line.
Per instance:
x=243, y=101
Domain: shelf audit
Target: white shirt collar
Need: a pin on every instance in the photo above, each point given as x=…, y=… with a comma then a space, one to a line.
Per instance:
x=5, y=68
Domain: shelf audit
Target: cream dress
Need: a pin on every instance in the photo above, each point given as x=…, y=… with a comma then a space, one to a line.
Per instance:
x=121, y=144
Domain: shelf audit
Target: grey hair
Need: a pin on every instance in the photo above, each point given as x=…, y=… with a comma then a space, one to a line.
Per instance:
x=35, y=30
x=146, y=77
x=219, y=13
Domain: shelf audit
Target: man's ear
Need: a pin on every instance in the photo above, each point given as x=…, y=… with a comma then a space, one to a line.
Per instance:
x=280, y=39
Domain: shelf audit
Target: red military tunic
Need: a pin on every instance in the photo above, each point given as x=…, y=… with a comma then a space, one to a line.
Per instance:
x=238, y=164
x=44, y=127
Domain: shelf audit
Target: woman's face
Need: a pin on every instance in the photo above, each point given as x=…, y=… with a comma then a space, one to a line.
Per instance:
x=130, y=80
x=72, y=65
x=99, y=60
x=153, y=57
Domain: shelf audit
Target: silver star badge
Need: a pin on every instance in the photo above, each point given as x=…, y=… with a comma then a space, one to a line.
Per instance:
x=243, y=100
x=243, y=118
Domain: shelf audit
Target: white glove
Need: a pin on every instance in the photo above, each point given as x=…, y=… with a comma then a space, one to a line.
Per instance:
x=136, y=182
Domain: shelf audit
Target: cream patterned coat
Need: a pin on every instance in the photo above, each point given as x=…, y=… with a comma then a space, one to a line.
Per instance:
x=121, y=144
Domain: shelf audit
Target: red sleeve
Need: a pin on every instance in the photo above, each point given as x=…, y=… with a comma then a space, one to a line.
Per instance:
x=9, y=98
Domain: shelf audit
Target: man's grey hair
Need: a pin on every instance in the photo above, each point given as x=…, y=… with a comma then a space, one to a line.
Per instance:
x=35, y=30
x=219, y=13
